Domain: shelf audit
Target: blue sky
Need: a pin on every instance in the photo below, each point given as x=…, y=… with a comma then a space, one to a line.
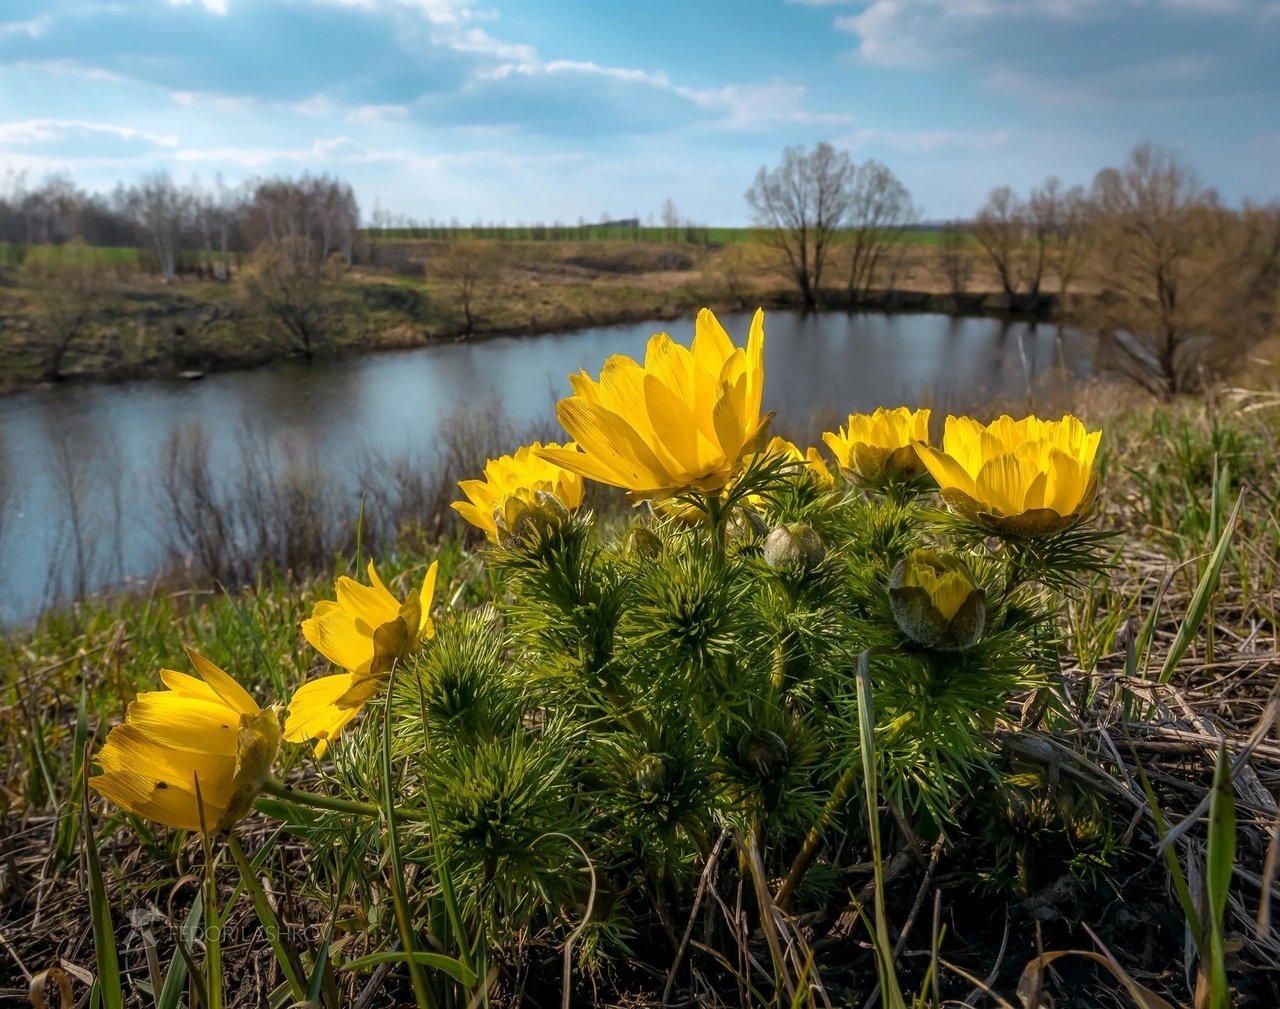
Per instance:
x=525, y=110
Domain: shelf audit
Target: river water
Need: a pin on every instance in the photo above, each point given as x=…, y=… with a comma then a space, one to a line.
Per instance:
x=83, y=463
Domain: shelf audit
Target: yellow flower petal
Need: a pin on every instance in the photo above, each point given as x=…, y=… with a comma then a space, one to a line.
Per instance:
x=334, y=633
x=234, y=695
x=1029, y=477
x=212, y=734
x=687, y=418
x=321, y=708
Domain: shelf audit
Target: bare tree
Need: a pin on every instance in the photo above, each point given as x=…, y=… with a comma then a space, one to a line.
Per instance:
x=879, y=207
x=467, y=266
x=999, y=229
x=216, y=214
x=670, y=218
x=1187, y=284
x=163, y=211
x=317, y=215
x=285, y=281
x=800, y=204
x=957, y=258
x=66, y=282
x=1073, y=238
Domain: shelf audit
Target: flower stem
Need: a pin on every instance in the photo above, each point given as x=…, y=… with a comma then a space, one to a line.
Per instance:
x=316, y=800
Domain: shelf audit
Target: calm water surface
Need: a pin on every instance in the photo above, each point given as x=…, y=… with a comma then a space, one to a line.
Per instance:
x=392, y=403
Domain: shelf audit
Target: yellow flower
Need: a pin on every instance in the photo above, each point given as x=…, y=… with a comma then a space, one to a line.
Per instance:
x=811, y=457
x=687, y=419
x=878, y=447
x=364, y=632
x=1025, y=477
x=517, y=478
x=935, y=601
x=204, y=733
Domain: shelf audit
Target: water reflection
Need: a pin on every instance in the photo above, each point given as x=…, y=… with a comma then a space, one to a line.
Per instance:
x=87, y=459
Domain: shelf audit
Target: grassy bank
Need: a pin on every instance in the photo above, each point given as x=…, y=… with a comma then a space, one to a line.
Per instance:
x=400, y=295
x=1162, y=660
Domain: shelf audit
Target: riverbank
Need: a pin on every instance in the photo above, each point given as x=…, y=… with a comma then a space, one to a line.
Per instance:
x=137, y=327
x=1172, y=474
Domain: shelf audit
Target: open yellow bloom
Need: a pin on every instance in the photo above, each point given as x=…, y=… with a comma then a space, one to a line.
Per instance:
x=206, y=733
x=365, y=631
x=1023, y=477
x=686, y=419
x=811, y=457
x=517, y=477
x=877, y=447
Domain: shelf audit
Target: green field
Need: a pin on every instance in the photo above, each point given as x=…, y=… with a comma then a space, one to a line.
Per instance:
x=689, y=235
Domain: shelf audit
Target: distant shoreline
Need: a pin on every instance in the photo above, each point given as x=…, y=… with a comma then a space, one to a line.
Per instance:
x=676, y=304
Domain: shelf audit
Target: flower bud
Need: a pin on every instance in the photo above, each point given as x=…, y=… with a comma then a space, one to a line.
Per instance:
x=518, y=521
x=745, y=525
x=652, y=777
x=763, y=751
x=795, y=547
x=642, y=542
x=935, y=601
x=551, y=504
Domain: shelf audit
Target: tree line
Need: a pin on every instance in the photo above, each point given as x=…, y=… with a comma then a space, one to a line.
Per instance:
x=1176, y=282
x=177, y=227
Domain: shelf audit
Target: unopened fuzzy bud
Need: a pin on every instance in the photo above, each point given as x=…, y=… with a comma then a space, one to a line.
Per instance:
x=745, y=525
x=642, y=542
x=763, y=751
x=936, y=602
x=795, y=547
x=518, y=521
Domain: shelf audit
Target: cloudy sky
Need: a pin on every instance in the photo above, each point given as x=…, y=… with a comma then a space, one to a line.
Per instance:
x=524, y=110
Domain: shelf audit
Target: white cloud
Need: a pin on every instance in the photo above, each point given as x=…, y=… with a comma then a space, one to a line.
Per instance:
x=210, y=100
x=742, y=106
x=43, y=131
x=212, y=6
x=923, y=141
x=377, y=113
x=33, y=28
x=71, y=68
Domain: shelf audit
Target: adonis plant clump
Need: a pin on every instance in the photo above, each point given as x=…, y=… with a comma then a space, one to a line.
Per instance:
x=767, y=647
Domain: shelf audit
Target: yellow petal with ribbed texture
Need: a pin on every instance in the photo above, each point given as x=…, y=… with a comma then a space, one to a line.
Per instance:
x=1066, y=483
x=962, y=441
x=186, y=685
x=674, y=428
x=333, y=633
x=625, y=459
x=130, y=755
x=321, y=708
x=946, y=470
x=711, y=344
x=366, y=605
x=1001, y=485
x=142, y=795
x=186, y=723
x=426, y=627
x=755, y=367
x=223, y=685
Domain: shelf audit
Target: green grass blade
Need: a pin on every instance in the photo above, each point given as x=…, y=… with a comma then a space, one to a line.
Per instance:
x=436, y=961
x=104, y=937
x=1179, y=878
x=285, y=956
x=404, y=914
x=1203, y=596
x=893, y=998
x=1220, y=859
